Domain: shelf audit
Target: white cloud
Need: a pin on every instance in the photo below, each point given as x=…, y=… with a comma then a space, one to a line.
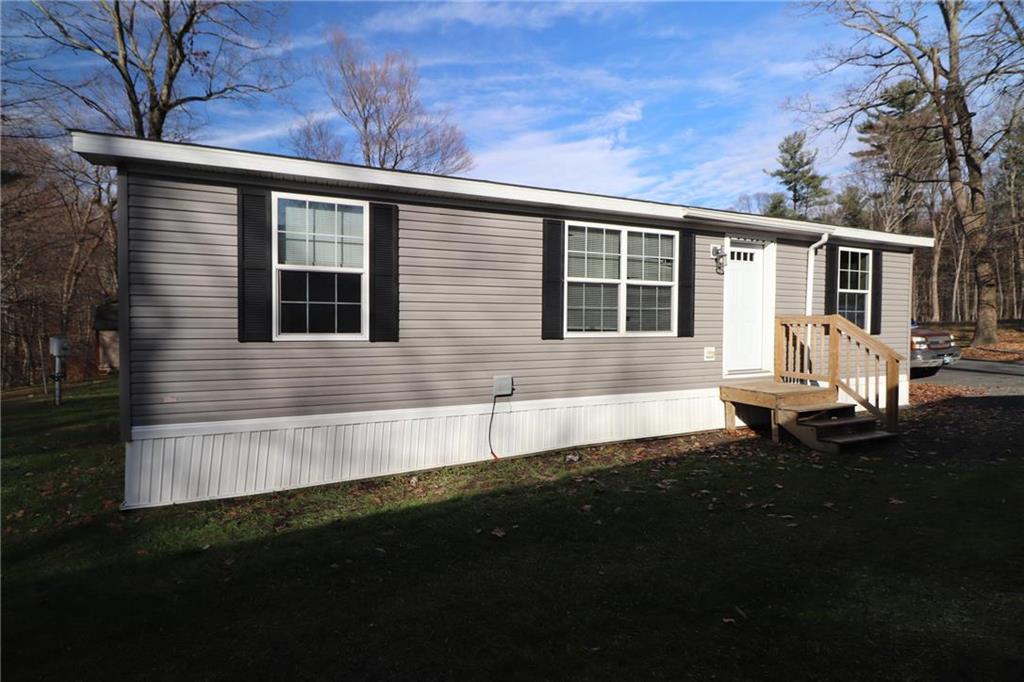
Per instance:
x=534, y=16
x=799, y=68
x=593, y=164
x=241, y=135
x=615, y=120
x=715, y=170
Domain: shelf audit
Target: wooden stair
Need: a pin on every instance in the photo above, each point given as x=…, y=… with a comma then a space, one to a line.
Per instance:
x=808, y=413
x=816, y=357
x=830, y=427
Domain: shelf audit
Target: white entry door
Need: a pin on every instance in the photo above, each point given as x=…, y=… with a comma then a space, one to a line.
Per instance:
x=743, y=336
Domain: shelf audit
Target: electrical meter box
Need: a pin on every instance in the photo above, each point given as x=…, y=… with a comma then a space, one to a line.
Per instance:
x=503, y=386
x=60, y=347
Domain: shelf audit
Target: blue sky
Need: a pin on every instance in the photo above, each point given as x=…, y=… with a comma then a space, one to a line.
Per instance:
x=677, y=102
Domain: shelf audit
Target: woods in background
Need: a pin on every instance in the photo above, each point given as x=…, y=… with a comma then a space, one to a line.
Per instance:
x=156, y=64
x=938, y=105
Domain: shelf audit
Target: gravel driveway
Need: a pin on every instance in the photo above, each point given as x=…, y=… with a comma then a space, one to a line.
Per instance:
x=998, y=378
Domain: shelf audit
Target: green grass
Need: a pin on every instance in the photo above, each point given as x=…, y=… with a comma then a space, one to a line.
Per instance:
x=696, y=557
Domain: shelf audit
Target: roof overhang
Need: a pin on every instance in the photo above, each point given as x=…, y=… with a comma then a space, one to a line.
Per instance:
x=101, y=148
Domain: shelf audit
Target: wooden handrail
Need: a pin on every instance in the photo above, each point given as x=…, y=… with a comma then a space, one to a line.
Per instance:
x=850, y=329
x=800, y=355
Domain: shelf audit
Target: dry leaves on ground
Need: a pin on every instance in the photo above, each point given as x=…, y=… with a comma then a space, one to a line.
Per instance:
x=1009, y=349
x=924, y=393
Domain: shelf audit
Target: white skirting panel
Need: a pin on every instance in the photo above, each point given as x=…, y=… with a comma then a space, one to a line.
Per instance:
x=204, y=461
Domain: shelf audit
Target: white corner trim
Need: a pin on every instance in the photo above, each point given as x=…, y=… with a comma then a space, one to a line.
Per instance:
x=110, y=149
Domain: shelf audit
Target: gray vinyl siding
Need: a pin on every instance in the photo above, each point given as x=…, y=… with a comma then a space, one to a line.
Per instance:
x=470, y=300
x=897, y=270
x=790, y=278
x=470, y=308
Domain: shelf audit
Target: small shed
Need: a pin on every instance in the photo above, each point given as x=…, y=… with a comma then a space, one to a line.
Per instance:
x=104, y=325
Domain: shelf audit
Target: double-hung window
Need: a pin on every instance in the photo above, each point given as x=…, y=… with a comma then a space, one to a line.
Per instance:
x=620, y=280
x=854, y=289
x=320, y=255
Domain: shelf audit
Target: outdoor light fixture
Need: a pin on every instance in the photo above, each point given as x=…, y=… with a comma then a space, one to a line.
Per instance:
x=721, y=256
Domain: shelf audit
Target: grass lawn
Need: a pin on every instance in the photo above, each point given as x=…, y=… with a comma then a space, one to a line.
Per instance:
x=711, y=556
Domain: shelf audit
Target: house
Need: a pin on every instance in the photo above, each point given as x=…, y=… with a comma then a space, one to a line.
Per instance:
x=287, y=322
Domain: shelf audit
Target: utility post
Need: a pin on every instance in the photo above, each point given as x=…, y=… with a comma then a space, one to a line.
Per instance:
x=59, y=349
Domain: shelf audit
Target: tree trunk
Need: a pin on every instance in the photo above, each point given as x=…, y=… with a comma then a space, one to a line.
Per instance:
x=955, y=309
x=968, y=194
x=936, y=263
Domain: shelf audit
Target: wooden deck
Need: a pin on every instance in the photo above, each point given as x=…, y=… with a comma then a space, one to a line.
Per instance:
x=774, y=394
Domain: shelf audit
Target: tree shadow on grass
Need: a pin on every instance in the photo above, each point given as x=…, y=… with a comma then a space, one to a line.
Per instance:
x=655, y=569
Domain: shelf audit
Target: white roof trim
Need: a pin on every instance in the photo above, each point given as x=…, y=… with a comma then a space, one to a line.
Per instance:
x=111, y=149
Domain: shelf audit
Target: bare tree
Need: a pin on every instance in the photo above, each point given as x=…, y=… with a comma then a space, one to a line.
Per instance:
x=315, y=139
x=56, y=255
x=380, y=101
x=155, y=59
x=136, y=68
x=963, y=58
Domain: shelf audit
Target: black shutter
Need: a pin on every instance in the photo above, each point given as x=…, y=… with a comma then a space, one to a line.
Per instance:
x=254, y=267
x=687, y=277
x=876, y=292
x=552, y=288
x=383, y=272
x=831, y=278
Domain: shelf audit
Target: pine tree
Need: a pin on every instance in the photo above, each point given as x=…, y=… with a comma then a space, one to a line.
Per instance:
x=850, y=208
x=777, y=206
x=806, y=188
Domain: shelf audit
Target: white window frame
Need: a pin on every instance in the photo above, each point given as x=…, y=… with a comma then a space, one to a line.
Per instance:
x=364, y=271
x=867, y=292
x=622, y=282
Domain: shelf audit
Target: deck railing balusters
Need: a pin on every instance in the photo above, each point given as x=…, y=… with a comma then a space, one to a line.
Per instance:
x=829, y=348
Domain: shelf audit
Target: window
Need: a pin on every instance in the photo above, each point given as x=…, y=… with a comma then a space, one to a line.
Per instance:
x=320, y=252
x=854, y=288
x=619, y=280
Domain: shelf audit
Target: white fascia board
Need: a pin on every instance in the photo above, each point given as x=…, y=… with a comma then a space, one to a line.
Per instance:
x=751, y=221
x=112, y=149
x=104, y=148
x=882, y=237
